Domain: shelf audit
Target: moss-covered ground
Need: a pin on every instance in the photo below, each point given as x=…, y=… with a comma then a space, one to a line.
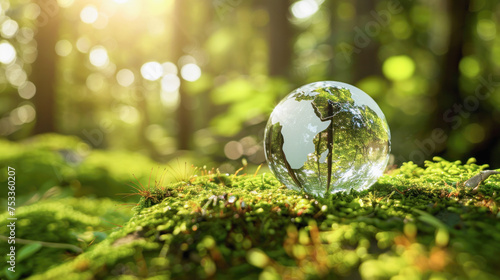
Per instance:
x=414, y=223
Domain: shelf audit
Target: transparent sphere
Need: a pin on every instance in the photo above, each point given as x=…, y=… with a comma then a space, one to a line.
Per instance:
x=327, y=137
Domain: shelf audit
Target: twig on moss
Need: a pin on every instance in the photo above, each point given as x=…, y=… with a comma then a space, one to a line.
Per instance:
x=71, y=247
x=476, y=180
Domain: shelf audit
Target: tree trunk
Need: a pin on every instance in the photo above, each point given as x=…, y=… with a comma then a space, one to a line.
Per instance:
x=184, y=119
x=448, y=89
x=44, y=68
x=280, y=37
x=142, y=107
x=366, y=62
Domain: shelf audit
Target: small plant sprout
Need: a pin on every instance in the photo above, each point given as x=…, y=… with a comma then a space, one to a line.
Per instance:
x=237, y=171
x=257, y=171
x=148, y=192
x=184, y=174
x=141, y=190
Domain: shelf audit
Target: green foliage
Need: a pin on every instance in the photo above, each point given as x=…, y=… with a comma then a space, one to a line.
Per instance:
x=248, y=100
x=415, y=222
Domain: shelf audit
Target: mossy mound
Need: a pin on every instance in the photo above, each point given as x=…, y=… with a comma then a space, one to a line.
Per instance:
x=415, y=223
x=49, y=160
x=65, y=226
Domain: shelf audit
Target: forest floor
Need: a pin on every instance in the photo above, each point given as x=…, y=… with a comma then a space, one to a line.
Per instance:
x=414, y=223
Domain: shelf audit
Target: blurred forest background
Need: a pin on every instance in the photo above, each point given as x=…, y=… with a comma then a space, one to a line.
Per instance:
x=197, y=79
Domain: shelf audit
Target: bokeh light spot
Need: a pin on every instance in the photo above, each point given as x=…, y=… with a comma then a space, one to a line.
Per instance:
x=7, y=53
x=304, y=8
x=9, y=28
x=250, y=146
x=233, y=150
x=398, y=68
x=32, y=11
x=129, y=114
x=346, y=10
x=152, y=70
x=125, y=77
x=401, y=29
x=27, y=90
x=63, y=48
x=373, y=84
x=16, y=75
x=170, y=99
x=26, y=113
x=190, y=72
x=169, y=68
x=25, y=35
x=101, y=22
x=154, y=132
x=83, y=44
x=474, y=133
x=99, y=56
x=95, y=82
x=89, y=14
x=186, y=59
x=170, y=83
x=486, y=29
x=469, y=66
x=23, y=114
x=65, y=3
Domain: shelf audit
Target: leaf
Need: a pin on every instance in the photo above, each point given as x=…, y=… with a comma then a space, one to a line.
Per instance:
x=13, y=275
x=233, y=91
x=28, y=250
x=429, y=219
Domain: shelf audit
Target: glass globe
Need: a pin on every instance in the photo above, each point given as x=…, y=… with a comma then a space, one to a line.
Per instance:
x=327, y=137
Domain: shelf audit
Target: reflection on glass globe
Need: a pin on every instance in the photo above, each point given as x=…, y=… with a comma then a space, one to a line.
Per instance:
x=327, y=137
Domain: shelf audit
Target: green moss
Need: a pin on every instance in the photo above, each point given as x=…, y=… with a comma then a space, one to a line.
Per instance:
x=414, y=223
x=70, y=222
x=49, y=160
